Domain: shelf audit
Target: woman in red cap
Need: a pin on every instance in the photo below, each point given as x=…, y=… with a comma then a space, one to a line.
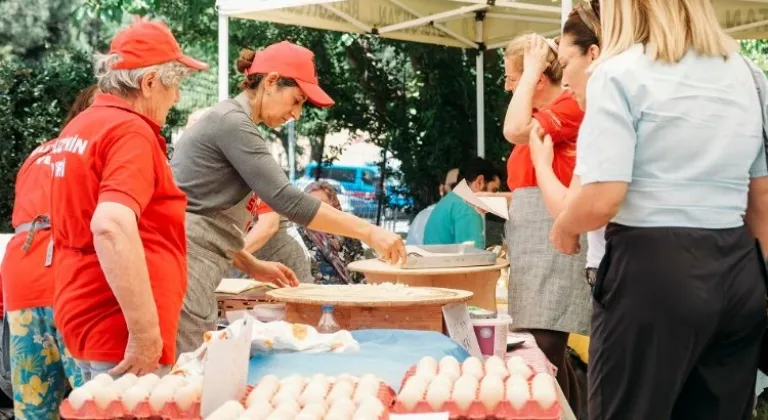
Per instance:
x=116, y=213
x=222, y=161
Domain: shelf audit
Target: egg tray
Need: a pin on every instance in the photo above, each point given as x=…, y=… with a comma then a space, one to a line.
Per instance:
x=90, y=411
x=386, y=395
x=476, y=410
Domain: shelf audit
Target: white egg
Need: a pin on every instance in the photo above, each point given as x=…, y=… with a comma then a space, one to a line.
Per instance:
x=195, y=379
x=491, y=391
x=316, y=408
x=283, y=397
x=342, y=389
x=187, y=395
x=161, y=395
x=311, y=395
x=311, y=412
x=149, y=381
x=231, y=410
x=118, y=390
x=437, y=394
x=126, y=381
x=517, y=392
x=472, y=366
x=318, y=387
x=517, y=366
x=104, y=396
x=103, y=378
x=543, y=390
x=79, y=396
x=134, y=396
x=319, y=378
x=288, y=407
x=291, y=389
x=174, y=381
x=260, y=410
x=369, y=380
x=464, y=391
x=342, y=408
x=448, y=362
x=413, y=391
x=495, y=365
x=365, y=389
x=447, y=381
x=281, y=415
x=372, y=406
x=260, y=393
x=347, y=377
x=293, y=379
x=427, y=367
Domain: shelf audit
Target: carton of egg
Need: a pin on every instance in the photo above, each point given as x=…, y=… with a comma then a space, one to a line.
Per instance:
x=508, y=390
x=317, y=398
x=129, y=396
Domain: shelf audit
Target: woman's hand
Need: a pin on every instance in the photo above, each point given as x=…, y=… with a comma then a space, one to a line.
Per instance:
x=563, y=240
x=542, y=149
x=388, y=245
x=266, y=271
x=535, y=56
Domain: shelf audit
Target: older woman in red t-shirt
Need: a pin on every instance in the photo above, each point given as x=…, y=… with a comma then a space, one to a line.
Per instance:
x=547, y=294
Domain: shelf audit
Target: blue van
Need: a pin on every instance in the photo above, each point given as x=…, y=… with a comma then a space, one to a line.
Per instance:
x=360, y=182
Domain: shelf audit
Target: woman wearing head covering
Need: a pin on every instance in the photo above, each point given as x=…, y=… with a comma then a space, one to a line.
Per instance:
x=222, y=160
x=330, y=254
x=28, y=286
x=672, y=158
x=547, y=295
x=117, y=215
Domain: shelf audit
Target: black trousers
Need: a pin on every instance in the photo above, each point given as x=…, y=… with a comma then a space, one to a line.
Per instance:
x=678, y=319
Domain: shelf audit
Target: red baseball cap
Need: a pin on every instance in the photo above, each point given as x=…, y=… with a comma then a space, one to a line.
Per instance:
x=147, y=43
x=292, y=62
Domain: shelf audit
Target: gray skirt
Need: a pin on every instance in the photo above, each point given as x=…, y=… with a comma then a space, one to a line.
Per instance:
x=547, y=289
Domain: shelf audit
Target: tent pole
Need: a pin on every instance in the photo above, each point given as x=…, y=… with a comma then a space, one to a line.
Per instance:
x=480, y=83
x=223, y=57
x=292, y=150
x=567, y=5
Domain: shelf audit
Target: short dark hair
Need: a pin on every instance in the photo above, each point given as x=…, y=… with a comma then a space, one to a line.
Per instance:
x=475, y=167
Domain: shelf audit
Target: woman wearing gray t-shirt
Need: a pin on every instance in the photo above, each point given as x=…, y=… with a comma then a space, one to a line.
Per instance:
x=222, y=160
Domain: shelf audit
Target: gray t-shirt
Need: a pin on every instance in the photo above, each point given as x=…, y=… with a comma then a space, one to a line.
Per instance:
x=222, y=158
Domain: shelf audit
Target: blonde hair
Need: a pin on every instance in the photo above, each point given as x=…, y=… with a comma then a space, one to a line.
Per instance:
x=668, y=29
x=516, y=49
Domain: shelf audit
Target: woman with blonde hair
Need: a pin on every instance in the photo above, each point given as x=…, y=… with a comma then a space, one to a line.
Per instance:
x=538, y=273
x=671, y=157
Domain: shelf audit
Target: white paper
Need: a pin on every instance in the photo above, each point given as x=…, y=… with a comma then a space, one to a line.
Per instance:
x=495, y=205
x=236, y=286
x=460, y=329
x=226, y=369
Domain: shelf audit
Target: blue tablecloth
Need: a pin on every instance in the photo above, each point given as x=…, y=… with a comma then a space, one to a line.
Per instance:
x=385, y=353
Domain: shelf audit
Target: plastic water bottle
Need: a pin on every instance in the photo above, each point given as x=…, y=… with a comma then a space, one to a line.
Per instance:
x=327, y=324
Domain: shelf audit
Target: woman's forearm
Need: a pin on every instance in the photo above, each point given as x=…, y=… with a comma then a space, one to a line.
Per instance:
x=756, y=217
x=262, y=232
x=329, y=220
x=593, y=206
x=517, y=122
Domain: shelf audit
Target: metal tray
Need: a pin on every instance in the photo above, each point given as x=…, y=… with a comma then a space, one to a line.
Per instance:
x=447, y=256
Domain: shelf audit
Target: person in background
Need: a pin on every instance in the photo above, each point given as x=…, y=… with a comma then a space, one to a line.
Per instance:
x=419, y=223
x=451, y=178
x=36, y=352
x=330, y=254
x=454, y=221
x=222, y=160
x=538, y=273
x=267, y=238
x=671, y=157
x=117, y=214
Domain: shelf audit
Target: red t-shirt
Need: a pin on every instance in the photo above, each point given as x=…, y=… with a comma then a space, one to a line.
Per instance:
x=256, y=206
x=561, y=119
x=109, y=153
x=27, y=282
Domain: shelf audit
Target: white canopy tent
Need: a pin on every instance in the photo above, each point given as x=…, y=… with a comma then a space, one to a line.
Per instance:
x=479, y=24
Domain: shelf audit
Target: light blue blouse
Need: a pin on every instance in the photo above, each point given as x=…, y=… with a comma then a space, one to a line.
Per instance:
x=686, y=137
